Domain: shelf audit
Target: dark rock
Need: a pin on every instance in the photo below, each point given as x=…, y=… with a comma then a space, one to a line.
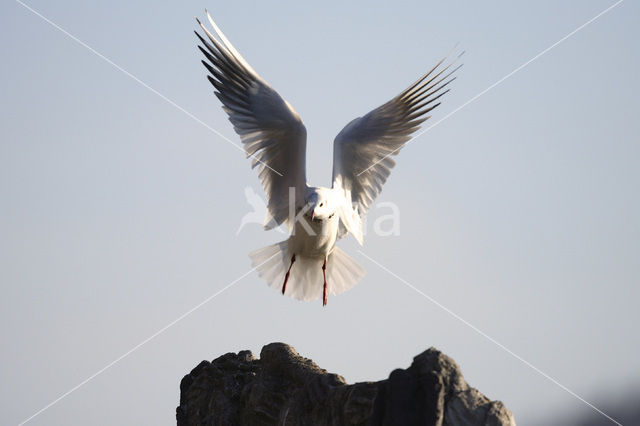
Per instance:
x=284, y=388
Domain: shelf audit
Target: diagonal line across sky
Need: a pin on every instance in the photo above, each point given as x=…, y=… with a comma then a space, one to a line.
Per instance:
x=476, y=97
x=142, y=343
x=142, y=83
x=486, y=336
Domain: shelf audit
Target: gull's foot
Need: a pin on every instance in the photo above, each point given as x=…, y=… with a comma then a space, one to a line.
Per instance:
x=324, y=287
x=286, y=276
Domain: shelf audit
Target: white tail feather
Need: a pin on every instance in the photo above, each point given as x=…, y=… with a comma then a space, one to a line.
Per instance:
x=306, y=280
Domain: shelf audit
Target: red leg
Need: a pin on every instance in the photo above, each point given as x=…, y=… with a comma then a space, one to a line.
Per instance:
x=286, y=276
x=324, y=288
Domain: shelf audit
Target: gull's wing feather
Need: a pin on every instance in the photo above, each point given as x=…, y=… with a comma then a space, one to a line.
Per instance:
x=362, y=151
x=271, y=131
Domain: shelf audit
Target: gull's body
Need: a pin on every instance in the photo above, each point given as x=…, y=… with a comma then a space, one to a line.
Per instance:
x=309, y=265
x=322, y=240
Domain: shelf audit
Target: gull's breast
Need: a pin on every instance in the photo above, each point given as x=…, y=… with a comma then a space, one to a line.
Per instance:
x=318, y=243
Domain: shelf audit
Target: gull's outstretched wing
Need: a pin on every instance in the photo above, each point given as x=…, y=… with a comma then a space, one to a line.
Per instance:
x=362, y=151
x=271, y=131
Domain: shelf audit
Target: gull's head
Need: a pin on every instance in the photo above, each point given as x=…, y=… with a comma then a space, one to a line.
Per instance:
x=322, y=204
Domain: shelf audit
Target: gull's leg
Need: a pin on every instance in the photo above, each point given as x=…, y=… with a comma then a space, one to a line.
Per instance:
x=324, y=288
x=286, y=276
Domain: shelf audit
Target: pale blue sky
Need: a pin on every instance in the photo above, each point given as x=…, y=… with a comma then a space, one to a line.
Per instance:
x=119, y=212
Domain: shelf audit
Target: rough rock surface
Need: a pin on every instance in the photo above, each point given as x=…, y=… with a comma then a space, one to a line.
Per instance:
x=282, y=388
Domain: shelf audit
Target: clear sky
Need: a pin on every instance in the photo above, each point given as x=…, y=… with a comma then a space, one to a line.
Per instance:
x=520, y=213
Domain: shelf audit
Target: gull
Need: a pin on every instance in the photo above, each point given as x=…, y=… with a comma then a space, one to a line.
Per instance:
x=308, y=265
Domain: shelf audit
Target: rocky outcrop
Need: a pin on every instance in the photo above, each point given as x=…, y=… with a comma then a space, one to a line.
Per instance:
x=283, y=388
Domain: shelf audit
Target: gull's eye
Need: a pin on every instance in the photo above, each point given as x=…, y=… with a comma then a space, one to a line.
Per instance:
x=331, y=215
x=321, y=204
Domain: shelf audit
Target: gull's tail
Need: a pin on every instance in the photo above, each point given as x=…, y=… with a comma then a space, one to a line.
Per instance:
x=305, y=279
